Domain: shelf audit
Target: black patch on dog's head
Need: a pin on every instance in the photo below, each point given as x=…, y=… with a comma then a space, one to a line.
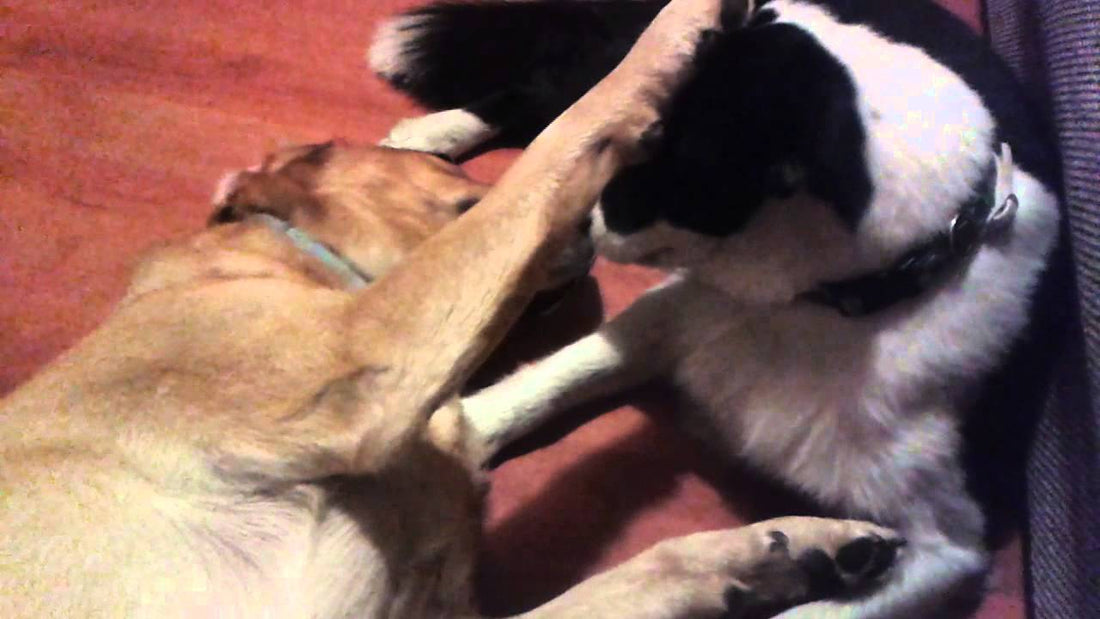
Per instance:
x=1021, y=119
x=769, y=113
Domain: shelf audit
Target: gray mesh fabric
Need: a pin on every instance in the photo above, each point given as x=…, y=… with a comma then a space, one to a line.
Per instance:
x=1054, y=45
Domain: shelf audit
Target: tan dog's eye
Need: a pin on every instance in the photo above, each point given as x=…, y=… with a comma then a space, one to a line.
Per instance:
x=466, y=204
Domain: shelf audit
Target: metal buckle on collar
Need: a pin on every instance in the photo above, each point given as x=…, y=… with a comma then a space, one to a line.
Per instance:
x=967, y=228
x=986, y=214
x=1003, y=214
x=964, y=233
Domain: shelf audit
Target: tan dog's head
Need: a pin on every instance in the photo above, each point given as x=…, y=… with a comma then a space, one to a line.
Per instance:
x=371, y=204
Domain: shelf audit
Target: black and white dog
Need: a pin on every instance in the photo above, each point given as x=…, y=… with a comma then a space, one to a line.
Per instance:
x=852, y=247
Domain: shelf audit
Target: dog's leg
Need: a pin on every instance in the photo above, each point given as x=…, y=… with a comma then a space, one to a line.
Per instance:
x=624, y=352
x=451, y=133
x=373, y=366
x=766, y=566
x=425, y=326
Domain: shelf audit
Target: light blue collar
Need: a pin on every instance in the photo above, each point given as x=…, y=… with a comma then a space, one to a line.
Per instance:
x=352, y=276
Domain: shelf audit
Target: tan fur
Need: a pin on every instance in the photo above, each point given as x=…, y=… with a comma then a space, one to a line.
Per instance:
x=244, y=438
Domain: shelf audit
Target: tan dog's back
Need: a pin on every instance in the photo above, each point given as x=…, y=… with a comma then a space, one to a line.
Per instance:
x=157, y=459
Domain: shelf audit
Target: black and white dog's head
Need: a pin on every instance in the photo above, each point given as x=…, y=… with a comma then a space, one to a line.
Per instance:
x=811, y=148
x=823, y=140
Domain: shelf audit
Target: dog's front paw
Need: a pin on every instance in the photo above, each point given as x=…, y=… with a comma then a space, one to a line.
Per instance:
x=451, y=133
x=777, y=564
x=814, y=558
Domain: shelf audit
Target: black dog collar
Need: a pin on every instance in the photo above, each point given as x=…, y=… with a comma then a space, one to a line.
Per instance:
x=931, y=262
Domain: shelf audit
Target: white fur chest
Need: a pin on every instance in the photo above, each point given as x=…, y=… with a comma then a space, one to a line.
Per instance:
x=856, y=411
x=786, y=390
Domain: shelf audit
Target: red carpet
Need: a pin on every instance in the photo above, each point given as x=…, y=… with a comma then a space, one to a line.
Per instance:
x=116, y=119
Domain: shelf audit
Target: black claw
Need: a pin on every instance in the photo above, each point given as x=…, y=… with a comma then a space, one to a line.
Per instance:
x=779, y=540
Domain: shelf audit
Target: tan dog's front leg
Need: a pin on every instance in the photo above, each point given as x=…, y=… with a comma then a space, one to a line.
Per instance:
x=429, y=322
x=761, y=568
x=371, y=368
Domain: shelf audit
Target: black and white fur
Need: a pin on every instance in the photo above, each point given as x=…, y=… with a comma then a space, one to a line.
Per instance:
x=819, y=143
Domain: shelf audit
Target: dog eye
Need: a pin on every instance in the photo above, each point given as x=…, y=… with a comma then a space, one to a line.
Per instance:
x=224, y=215
x=467, y=204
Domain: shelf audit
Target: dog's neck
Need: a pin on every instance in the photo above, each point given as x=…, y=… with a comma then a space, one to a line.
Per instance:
x=248, y=249
x=353, y=277
x=989, y=211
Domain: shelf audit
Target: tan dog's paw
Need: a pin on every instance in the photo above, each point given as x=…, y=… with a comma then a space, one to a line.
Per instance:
x=450, y=133
x=806, y=559
x=776, y=564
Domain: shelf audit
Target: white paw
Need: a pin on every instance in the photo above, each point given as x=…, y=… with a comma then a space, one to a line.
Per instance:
x=451, y=133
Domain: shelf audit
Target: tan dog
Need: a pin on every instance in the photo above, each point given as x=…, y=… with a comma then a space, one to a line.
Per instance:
x=246, y=436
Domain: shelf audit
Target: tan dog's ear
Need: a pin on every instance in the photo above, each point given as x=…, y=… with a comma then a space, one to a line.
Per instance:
x=283, y=187
x=302, y=163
